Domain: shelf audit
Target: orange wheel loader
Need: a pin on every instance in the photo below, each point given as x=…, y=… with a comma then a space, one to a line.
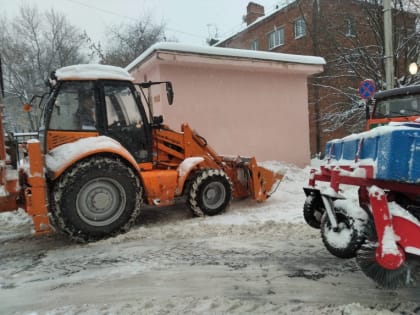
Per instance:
x=101, y=154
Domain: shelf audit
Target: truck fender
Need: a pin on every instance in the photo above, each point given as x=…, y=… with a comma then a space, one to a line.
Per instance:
x=64, y=156
x=184, y=170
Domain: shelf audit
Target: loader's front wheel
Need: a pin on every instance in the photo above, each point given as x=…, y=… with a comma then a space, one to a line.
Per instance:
x=346, y=239
x=95, y=198
x=210, y=192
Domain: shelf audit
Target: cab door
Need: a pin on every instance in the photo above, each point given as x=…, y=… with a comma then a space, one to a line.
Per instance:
x=125, y=119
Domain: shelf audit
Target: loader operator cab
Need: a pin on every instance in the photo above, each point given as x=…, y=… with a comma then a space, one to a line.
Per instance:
x=104, y=104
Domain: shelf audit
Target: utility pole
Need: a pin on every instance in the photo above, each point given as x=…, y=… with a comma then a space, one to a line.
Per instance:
x=1, y=83
x=315, y=87
x=2, y=140
x=389, y=51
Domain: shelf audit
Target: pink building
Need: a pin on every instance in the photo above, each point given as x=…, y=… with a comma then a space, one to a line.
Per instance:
x=244, y=102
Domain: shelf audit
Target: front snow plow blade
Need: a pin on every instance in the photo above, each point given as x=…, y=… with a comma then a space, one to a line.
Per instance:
x=8, y=182
x=264, y=182
x=251, y=180
x=24, y=188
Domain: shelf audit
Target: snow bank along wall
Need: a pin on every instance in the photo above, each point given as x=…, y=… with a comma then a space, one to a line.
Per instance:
x=243, y=102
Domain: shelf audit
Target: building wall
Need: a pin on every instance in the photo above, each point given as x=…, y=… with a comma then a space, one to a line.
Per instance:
x=239, y=110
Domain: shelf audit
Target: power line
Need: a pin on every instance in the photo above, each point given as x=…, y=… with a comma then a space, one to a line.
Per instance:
x=128, y=17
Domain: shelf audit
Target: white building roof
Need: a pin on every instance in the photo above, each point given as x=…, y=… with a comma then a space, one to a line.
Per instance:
x=226, y=52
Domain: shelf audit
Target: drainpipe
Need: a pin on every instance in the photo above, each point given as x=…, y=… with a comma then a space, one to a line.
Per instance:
x=315, y=43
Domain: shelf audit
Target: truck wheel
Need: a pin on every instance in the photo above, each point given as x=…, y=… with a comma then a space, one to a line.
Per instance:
x=347, y=239
x=95, y=198
x=312, y=211
x=210, y=192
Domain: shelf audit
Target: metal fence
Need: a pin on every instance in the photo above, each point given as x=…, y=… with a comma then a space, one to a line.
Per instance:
x=22, y=137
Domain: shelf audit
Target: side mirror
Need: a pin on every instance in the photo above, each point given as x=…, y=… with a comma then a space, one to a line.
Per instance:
x=169, y=92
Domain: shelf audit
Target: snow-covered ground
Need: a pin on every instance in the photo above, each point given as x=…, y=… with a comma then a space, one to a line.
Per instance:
x=255, y=259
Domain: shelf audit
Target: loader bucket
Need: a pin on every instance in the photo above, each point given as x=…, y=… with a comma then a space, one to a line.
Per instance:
x=258, y=183
x=263, y=181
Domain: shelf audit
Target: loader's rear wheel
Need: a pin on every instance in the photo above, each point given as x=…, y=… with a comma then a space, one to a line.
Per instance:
x=404, y=276
x=210, y=192
x=344, y=241
x=95, y=198
x=313, y=210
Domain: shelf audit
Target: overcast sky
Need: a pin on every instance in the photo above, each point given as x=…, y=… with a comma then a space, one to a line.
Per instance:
x=189, y=21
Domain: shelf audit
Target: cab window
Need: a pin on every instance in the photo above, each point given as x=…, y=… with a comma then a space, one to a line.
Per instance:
x=121, y=107
x=74, y=107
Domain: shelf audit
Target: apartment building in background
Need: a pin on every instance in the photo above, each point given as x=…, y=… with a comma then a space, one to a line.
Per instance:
x=347, y=33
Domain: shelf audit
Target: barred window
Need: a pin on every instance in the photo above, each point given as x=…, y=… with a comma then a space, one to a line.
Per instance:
x=349, y=27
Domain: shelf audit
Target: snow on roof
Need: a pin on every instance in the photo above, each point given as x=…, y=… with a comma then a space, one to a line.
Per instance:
x=92, y=72
x=226, y=52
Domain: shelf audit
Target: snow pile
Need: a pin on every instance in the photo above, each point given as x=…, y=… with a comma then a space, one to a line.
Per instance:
x=14, y=224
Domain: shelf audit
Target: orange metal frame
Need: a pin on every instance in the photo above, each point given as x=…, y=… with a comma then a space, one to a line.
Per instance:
x=261, y=180
x=383, y=121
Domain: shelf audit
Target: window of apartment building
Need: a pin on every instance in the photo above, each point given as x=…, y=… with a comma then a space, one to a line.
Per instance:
x=255, y=45
x=276, y=38
x=349, y=27
x=300, y=27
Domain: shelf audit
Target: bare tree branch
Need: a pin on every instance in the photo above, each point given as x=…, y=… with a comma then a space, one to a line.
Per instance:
x=35, y=43
x=126, y=42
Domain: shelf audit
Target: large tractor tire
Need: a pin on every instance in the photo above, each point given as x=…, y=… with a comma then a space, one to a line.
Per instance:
x=96, y=198
x=313, y=210
x=210, y=192
x=346, y=239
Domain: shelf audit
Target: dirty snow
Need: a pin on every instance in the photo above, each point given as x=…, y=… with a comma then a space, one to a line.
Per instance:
x=257, y=258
